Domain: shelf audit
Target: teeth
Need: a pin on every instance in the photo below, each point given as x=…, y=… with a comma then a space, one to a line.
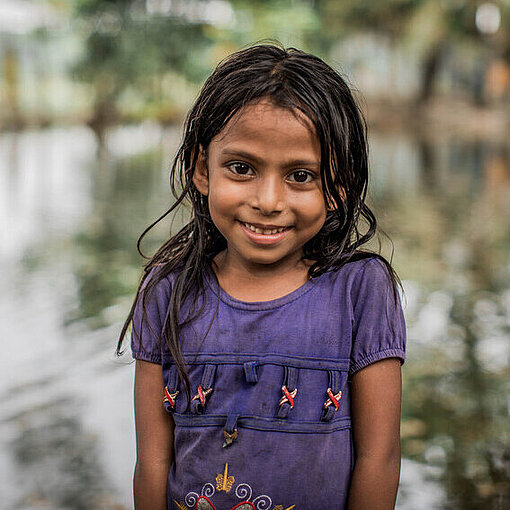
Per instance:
x=266, y=231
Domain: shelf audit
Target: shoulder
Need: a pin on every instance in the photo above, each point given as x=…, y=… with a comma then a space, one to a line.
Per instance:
x=369, y=279
x=161, y=285
x=153, y=296
x=149, y=315
x=378, y=321
x=376, y=281
x=371, y=269
x=157, y=283
x=374, y=270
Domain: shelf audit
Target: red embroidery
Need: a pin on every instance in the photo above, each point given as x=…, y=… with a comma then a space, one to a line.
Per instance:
x=288, y=396
x=170, y=397
x=202, y=394
x=333, y=399
x=204, y=503
x=244, y=505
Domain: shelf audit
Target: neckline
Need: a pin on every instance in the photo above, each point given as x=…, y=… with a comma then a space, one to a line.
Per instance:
x=218, y=291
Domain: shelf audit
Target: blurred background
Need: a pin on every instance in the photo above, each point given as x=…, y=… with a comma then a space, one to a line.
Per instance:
x=92, y=98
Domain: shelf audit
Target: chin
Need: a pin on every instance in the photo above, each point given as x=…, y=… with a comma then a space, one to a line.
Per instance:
x=263, y=261
x=267, y=259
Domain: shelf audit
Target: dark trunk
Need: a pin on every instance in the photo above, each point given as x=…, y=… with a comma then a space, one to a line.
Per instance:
x=429, y=70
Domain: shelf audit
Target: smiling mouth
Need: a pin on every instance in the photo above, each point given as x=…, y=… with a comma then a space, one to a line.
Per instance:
x=265, y=231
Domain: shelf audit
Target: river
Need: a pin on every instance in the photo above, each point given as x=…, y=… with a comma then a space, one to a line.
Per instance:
x=70, y=216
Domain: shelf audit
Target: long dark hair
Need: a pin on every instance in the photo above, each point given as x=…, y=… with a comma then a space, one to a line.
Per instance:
x=288, y=78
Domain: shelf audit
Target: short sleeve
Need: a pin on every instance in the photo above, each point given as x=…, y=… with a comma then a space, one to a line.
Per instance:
x=147, y=328
x=379, y=329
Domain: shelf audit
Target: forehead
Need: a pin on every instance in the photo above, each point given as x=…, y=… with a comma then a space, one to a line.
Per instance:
x=265, y=123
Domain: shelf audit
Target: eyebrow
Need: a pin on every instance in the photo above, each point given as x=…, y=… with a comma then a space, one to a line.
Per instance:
x=252, y=157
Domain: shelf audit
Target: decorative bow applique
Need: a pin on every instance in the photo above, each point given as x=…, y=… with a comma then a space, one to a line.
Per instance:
x=202, y=395
x=170, y=397
x=288, y=396
x=333, y=399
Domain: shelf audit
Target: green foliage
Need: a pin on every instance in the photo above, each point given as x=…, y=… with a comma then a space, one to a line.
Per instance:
x=388, y=16
x=127, y=48
x=291, y=23
x=131, y=49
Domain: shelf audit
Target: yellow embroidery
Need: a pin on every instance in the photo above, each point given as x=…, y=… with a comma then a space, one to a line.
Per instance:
x=180, y=505
x=280, y=507
x=223, y=481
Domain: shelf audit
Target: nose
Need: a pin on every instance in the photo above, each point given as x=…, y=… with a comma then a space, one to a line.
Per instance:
x=269, y=196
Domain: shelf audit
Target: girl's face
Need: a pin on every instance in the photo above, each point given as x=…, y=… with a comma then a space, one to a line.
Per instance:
x=262, y=179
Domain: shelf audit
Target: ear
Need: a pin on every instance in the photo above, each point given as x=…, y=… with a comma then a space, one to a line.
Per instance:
x=201, y=174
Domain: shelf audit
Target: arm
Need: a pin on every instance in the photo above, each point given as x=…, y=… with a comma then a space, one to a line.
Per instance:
x=376, y=400
x=154, y=439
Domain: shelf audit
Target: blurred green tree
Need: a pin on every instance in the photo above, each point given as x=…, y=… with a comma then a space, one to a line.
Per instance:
x=146, y=58
x=131, y=49
x=430, y=27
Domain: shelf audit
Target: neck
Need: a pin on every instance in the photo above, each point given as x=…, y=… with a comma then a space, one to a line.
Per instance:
x=259, y=282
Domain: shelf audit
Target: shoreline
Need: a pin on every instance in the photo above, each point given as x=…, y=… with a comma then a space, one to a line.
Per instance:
x=439, y=117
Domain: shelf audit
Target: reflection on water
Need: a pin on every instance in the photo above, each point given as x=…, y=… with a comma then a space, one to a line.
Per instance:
x=70, y=217
x=56, y=458
x=451, y=229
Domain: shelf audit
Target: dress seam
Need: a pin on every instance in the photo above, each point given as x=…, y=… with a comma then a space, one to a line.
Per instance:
x=377, y=356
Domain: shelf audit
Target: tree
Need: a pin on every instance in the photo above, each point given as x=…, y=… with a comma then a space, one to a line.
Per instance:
x=129, y=48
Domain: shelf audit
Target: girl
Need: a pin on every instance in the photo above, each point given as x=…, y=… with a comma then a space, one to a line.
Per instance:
x=268, y=344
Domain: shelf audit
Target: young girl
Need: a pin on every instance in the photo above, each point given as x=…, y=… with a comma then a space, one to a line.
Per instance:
x=268, y=344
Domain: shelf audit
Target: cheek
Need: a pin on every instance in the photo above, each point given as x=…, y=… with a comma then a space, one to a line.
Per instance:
x=220, y=197
x=216, y=209
x=313, y=210
x=221, y=202
x=218, y=216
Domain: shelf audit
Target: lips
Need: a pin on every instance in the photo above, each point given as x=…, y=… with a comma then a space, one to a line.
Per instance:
x=266, y=229
x=264, y=234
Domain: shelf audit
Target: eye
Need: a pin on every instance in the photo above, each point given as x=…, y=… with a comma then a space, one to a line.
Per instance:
x=239, y=168
x=301, y=176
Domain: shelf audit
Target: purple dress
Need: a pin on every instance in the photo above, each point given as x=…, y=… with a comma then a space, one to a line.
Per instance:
x=269, y=426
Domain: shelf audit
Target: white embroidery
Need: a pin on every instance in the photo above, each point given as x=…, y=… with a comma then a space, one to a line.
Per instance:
x=208, y=490
x=263, y=502
x=244, y=491
x=191, y=499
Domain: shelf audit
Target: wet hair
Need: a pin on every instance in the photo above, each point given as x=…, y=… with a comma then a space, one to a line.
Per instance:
x=287, y=78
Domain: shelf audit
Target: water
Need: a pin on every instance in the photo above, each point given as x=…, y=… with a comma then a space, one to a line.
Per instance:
x=70, y=215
